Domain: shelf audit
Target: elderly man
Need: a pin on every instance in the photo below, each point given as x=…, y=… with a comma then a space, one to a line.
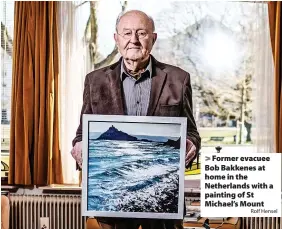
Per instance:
x=138, y=85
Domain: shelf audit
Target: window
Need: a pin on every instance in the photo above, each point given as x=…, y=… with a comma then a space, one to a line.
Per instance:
x=214, y=42
x=7, y=23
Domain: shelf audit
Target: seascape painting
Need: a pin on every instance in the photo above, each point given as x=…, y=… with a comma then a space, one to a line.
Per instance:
x=133, y=167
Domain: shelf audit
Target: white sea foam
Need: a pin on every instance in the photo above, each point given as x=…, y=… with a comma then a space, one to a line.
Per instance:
x=121, y=179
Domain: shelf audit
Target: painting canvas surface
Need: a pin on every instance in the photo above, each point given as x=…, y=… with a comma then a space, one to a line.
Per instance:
x=133, y=167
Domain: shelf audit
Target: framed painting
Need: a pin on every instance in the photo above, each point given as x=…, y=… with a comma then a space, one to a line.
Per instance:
x=133, y=166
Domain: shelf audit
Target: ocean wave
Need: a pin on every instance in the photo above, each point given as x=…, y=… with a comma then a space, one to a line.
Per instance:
x=150, y=181
x=160, y=197
x=133, y=180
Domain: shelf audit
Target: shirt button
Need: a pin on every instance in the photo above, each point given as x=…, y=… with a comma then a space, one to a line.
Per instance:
x=137, y=102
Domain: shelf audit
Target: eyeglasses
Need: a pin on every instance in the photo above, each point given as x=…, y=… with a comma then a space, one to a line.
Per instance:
x=141, y=34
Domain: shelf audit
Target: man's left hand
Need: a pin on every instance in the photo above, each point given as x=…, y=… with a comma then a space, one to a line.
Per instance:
x=190, y=152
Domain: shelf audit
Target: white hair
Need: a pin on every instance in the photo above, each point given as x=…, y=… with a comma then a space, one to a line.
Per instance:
x=123, y=13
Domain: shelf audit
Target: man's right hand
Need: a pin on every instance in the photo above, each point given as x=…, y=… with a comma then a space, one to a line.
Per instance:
x=76, y=153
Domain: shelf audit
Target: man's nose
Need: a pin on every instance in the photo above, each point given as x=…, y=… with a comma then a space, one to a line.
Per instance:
x=134, y=38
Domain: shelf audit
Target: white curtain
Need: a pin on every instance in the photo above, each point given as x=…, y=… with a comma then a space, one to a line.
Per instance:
x=264, y=81
x=74, y=65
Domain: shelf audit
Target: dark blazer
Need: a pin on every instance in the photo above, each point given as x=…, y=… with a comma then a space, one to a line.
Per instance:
x=171, y=95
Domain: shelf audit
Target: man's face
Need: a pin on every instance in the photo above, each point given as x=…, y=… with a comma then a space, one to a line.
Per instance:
x=135, y=37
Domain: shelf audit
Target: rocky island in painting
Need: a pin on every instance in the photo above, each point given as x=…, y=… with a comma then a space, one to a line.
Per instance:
x=131, y=171
x=115, y=135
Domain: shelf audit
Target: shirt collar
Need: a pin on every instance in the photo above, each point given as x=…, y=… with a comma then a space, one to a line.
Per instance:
x=149, y=68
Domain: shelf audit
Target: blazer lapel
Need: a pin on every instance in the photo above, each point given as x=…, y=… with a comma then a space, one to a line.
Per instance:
x=158, y=81
x=115, y=90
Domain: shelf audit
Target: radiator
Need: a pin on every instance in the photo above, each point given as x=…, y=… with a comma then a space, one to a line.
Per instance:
x=261, y=223
x=64, y=211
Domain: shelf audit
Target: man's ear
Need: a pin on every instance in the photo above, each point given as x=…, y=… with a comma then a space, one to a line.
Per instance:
x=115, y=37
x=155, y=36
